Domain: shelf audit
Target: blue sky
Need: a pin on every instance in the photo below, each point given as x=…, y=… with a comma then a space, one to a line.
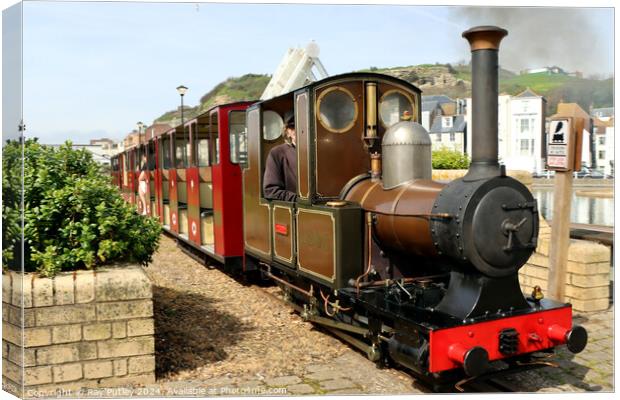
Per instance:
x=94, y=69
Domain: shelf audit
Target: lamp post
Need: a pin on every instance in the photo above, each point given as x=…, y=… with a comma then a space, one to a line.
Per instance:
x=182, y=90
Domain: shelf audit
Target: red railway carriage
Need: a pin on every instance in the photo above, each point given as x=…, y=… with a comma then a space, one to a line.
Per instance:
x=126, y=162
x=194, y=180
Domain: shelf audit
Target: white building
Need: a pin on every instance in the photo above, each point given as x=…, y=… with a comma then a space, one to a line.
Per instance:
x=449, y=131
x=100, y=155
x=604, y=145
x=521, y=129
x=604, y=114
x=430, y=109
x=435, y=105
x=610, y=151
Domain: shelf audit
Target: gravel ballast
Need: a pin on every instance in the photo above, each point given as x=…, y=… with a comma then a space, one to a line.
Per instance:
x=208, y=324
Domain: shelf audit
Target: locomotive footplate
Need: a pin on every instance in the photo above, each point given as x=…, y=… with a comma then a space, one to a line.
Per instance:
x=429, y=341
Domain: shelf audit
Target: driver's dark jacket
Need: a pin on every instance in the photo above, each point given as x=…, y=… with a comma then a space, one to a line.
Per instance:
x=280, y=179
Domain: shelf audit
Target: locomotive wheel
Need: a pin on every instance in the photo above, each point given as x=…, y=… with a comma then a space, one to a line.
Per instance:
x=374, y=354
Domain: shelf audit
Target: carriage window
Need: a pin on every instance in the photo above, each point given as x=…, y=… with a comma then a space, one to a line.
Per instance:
x=181, y=150
x=125, y=168
x=214, y=131
x=272, y=125
x=337, y=109
x=192, y=137
x=216, y=145
x=151, y=156
x=202, y=146
x=139, y=154
x=135, y=160
x=394, y=107
x=165, y=144
x=238, y=138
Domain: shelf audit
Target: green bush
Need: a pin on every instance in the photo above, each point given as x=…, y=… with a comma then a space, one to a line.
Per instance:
x=445, y=158
x=11, y=205
x=74, y=218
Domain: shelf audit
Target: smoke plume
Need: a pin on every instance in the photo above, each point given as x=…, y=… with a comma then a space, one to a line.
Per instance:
x=570, y=38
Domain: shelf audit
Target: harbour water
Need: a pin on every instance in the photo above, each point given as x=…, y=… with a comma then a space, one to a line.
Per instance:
x=584, y=210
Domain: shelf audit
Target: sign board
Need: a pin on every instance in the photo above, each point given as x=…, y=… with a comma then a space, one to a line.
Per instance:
x=563, y=143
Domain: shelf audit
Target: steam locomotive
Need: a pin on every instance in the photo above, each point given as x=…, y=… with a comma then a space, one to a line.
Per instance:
x=409, y=270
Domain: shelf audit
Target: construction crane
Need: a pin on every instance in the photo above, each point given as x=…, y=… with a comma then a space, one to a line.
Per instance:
x=298, y=68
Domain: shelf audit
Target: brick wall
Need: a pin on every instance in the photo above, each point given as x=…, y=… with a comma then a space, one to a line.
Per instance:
x=81, y=329
x=589, y=272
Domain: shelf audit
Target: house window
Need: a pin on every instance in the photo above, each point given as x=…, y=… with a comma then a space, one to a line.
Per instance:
x=438, y=137
x=601, y=154
x=526, y=147
x=601, y=140
x=452, y=136
x=446, y=122
x=525, y=125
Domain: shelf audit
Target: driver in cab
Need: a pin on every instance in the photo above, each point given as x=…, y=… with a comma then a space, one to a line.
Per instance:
x=280, y=179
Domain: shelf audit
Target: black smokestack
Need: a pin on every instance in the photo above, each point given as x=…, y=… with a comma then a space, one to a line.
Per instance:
x=484, y=43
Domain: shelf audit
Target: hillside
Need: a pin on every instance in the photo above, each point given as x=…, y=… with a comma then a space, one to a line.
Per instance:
x=247, y=87
x=453, y=81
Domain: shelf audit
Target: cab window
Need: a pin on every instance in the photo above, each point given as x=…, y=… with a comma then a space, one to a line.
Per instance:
x=395, y=106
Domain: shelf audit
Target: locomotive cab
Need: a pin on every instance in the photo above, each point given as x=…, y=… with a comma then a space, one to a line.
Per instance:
x=339, y=123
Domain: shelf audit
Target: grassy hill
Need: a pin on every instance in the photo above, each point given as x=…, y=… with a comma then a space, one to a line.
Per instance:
x=563, y=88
x=247, y=87
x=451, y=80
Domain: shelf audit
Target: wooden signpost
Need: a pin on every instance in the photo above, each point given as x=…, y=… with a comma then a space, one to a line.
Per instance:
x=563, y=157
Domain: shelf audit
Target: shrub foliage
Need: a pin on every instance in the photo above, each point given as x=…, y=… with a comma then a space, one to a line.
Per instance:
x=445, y=158
x=73, y=217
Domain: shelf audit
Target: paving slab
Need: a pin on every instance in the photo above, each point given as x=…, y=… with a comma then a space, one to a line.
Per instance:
x=301, y=388
x=283, y=380
x=337, y=384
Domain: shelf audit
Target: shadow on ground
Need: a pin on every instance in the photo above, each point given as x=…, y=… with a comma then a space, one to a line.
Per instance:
x=190, y=331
